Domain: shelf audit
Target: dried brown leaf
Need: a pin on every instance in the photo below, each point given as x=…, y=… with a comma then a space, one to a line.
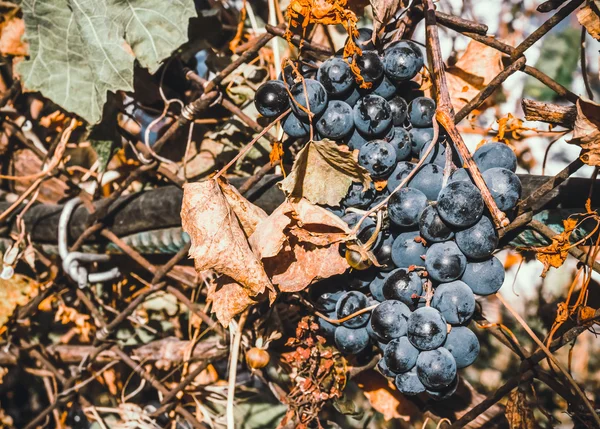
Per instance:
x=588, y=17
x=555, y=254
x=322, y=173
x=385, y=398
x=586, y=133
x=299, y=244
x=477, y=66
x=218, y=233
x=16, y=291
x=11, y=33
x=228, y=299
x=518, y=412
x=383, y=12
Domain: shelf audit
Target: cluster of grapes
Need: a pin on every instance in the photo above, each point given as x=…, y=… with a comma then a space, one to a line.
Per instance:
x=435, y=242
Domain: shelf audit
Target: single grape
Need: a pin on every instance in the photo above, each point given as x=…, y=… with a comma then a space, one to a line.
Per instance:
x=370, y=65
x=378, y=157
x=478, y=241
x=420, y=138
x=456, y=302
x=401, y=171
x=405, y=207
x=383, y=253
x=400, y=355
x=400, y=139
x=294, y=127
x=505, y=187
x=437, y=155
x=355, y=140
x=352, y=98
x=404, y=286
x=372, y=115
x=401, y=62
x=495, y=155
x=409, y=383
x=399, y=108
x=386, y=88
x=460, y=204
x=351, y=341
x=409, y=90
x=350, y=303
x=336, y=77
x=463, y=344
x=421, y=111
x=364, y=39
x=429, y=180
x=432, y=228
x=317, y=98
x=484, y=277
x=376, y=286
x=445, y=393
x=358, y=197
x=336, y=121
x=361, y=279
x=426, y=328
x=327, y=328
x=327, y=294
x=445, y=262
x=458, y=175
x=388, y=321
x=271, y=98
x=383, y=368
x=406, y=251
x=436, y=368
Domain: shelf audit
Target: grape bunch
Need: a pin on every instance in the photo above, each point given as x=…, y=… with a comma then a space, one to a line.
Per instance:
x=433, y=241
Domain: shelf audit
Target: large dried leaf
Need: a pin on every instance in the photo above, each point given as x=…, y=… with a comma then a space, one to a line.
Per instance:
x=518, y=412
x=555, y=254
x=16, y=291
x=81, y=49
x=299, y=245
x=586, y=133
x=383, y=12
x=228, y=299
x=478, y=65
x=322, y=173
x=385, y=398
x=588, y=17
x=10, y=38
x=219, y=241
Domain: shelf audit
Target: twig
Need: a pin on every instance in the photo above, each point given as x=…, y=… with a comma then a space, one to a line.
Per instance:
x=445, y=113
x=583, y=64
x=550, y=356
x=233, y=361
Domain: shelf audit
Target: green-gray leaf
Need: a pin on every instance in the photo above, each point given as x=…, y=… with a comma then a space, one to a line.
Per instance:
x=80, y=49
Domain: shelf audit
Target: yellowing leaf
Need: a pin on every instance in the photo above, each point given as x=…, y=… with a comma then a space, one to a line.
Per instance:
x=555, y=254
x=478, y=65
x=14, y=292
x=299, y=244
x=588, y=17
x=518, y=412
x=586, y=133
x=322, y=173
x=218, y=221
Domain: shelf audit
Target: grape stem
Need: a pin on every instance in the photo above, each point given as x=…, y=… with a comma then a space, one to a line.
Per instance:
x=350, y=316
x=383, y=203
x=445, y=112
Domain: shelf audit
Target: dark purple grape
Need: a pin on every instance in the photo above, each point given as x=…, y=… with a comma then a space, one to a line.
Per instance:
x=383, y=253
x=336, y=77
x=432, y=228
x=437, y=155
x=386, y=88
x=327, y=328
x=376, y=286
x=436, y=368
x=459, y=175
x=384, y=370
x=402, y=170
x=370, y=65
x=495, y=155
x=372, y=115
x=400, y=355
x=336, y=121
x=445, y=393
x=420, y=138
x=460, y=204
x=429, y=180
x=400, y=139
x=399, y=108
x=355, y=140
x=378, y=157
x=406, y=251
x=388, y=321
x=463, y=344
x=456, y=302
x=401, y=62
x=358, y=197
x=350, y=303
x=364, y=39
x=478, y=241
x=317, y=98
x=294, y=127
x=426, y=328
x=405, y=207
x=484, y=277
x=421, y=112
x=505, y=187
x=351, y=341
x=403, y=286
x=271, y=99
x=445, y=262
x=409, y=383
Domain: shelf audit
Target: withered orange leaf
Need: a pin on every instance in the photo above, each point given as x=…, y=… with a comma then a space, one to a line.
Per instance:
x=586, y=133
x=323, y=173
x=588, y=17
x=11, y=38
x=555, y=254
x=218, y=221
x=228, y=299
